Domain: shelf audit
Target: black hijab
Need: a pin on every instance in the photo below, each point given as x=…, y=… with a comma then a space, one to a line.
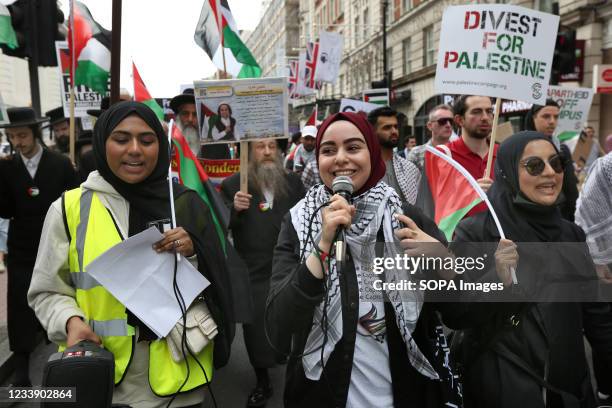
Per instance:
x=521, y=219
x=149, y=199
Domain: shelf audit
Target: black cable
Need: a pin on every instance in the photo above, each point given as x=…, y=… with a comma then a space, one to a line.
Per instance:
x=182, y=305
x=302, y=252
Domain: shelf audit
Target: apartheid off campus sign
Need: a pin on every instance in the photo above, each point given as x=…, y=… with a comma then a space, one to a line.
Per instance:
x=496, y=50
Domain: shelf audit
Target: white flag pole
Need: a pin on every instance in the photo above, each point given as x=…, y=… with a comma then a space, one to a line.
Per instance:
x=478, y=189
x=172, y=212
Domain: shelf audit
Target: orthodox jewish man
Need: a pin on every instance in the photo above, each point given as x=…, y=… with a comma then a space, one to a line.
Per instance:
x=30, y=180
x=255, y=222
x=60, y=126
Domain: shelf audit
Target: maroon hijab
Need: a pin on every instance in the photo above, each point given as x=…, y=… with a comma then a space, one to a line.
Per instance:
x=376, y=162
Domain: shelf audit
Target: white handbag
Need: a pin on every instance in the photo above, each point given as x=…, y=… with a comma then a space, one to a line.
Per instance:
x=201, y=329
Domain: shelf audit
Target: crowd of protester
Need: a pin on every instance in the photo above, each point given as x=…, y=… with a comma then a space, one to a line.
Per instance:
x=308, y=255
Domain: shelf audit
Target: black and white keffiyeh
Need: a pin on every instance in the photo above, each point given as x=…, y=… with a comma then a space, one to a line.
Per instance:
x=408, y=177
x=374, y=209
x=593, y=210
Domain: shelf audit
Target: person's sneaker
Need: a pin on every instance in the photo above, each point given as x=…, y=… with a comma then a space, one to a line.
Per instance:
x=259, y=397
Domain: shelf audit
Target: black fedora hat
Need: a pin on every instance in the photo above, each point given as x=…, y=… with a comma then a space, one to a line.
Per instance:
x=85, y=138
x=22, y=117
x=186, y=97
x=104, y=105
x=56, y=116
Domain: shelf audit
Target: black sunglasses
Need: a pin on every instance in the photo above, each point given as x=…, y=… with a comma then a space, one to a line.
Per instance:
x=444, y=121
x=535, y=165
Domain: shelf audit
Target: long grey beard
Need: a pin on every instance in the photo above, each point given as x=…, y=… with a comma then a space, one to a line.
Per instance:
x=267, y=177
x=191, y=135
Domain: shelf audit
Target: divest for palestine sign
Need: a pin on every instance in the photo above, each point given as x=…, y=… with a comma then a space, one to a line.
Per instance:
x=496, y=50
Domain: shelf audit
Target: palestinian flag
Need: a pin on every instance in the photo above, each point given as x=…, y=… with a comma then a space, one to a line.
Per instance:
x=208, y=119
x=453, y=189
x=90, y=46
x=312, y=120
x=7, y=33
x=215, y=27
x=191, y=174
x=141, y=94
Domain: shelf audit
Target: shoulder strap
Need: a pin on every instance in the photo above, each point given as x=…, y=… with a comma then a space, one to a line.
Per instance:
x=569, y=400
x=64, y=217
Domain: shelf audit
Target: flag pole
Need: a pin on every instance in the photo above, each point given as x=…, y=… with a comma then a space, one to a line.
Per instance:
x=72, y=127
x=170, y=189
x=116, y=52
x=244, y=146
x=493, y=136
x=72, y=73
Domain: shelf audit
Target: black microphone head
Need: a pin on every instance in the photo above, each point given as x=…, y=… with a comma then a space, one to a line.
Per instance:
x=343, y=185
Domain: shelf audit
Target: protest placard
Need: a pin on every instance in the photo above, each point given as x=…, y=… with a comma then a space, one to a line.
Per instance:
x=84, y=98
x=238, y=110
x=353, y=105
x=378, y=96
x=496, y=50
x=574, y=104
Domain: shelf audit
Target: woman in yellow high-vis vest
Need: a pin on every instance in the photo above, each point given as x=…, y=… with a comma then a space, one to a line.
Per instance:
x=128, y=193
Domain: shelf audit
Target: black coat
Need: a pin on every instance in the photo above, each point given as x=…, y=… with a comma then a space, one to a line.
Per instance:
x=25, y=202
x=295, y=293
x=27, y=210
x=547, y=338
x=255, y=233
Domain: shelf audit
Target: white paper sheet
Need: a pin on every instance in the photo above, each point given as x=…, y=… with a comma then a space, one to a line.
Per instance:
x=141, y=279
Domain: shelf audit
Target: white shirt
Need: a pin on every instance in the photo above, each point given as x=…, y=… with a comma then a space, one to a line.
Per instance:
x=32, y=163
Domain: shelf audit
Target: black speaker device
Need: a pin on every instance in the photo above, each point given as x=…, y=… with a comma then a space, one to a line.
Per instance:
x=87, y=367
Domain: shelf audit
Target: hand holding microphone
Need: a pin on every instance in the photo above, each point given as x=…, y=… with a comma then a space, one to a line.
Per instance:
x=337, y=215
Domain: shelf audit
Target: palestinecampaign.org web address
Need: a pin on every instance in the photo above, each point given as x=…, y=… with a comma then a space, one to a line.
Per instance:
x=475, y=83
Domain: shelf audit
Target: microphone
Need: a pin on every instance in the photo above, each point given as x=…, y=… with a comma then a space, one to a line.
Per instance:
x=342, y=185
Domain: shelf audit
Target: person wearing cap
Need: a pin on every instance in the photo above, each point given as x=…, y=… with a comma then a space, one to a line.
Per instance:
x=30, y=181
x=60, y=126
x=305, y=152
x=184, y=108
x=255, y=222
x=544, y=119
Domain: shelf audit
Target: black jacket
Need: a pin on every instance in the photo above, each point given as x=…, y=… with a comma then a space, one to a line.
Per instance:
x=507, y=346
x=295, y=293
x=25, y=200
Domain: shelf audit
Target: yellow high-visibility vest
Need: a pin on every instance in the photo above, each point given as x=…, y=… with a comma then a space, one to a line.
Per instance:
x=92, y=231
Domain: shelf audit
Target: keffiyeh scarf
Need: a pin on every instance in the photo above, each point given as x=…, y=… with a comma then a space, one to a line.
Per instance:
x=374, y=209
x=594, y=210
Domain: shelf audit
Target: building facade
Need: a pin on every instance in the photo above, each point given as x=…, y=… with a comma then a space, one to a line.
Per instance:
x=15, y=84
x=413, y=32
x=276, y=37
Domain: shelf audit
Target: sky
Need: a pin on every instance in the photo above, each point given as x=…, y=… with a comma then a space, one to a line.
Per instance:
x=158, y=36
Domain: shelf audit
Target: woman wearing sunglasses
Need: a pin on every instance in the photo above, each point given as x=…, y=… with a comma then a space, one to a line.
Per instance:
x=525, y=354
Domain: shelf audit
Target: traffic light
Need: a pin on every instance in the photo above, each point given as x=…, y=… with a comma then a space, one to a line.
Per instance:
x=384, y=83
x=37, y=25
x=564, y=59
x=49, y=18
x=21, y=25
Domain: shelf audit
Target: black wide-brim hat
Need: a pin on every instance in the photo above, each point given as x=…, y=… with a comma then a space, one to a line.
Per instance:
x=104, y=105
x=22, y=117
x=85, y=138
x=186, y=97
x=56, y=116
